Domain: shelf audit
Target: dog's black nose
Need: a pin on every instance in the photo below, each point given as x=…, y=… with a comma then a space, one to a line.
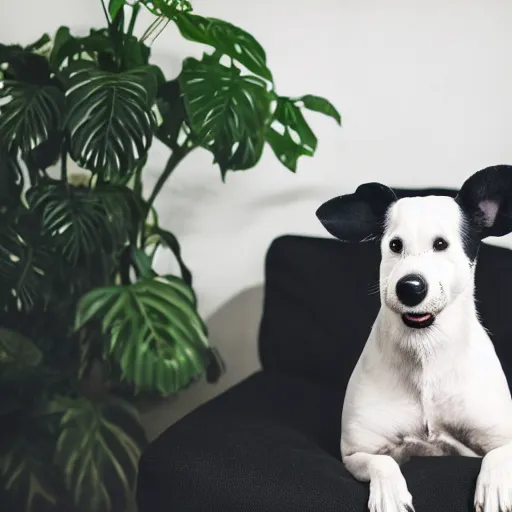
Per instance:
x=411, y=290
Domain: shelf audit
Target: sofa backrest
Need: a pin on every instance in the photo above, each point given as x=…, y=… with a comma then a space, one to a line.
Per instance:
x=321, y=298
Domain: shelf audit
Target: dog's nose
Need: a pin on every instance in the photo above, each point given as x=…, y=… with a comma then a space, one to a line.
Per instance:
x=411, y=290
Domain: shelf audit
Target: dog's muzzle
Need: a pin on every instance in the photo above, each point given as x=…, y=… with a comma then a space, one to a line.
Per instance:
x=411, y=291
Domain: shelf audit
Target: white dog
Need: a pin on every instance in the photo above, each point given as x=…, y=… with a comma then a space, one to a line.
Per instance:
x=428, y=381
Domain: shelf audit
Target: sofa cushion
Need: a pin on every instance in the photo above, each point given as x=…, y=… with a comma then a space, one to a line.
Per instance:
x=321, y=298
x=271, y=444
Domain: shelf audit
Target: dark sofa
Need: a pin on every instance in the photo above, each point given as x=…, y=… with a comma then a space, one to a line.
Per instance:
x=272, y=442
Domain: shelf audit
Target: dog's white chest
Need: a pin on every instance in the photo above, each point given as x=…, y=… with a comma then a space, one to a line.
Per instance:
x=403, y=413
x=430, y=432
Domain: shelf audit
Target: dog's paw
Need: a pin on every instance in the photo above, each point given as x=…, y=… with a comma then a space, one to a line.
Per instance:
x=389, y=494
x=494, y=484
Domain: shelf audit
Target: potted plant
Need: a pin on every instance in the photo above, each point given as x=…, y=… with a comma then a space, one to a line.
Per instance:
x=85, y=322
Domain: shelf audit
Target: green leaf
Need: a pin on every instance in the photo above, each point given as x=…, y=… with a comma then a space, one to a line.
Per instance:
x=228, y=111
x=124, y=211
x=135, y=54
x=98, y=450
x=142, y=263
x=159, y=7
x=110, y=123
x=46, y=154
x=72, y=217
x=155, y=332
x=114, y=7
x=173, y=117
x=64, y=46
x=29, y=115
x=20, y=65
x=25, y=263
x=167, y=239
x=290, y=135
x=25, y=470
x=101, y=47
x=17, y=353
x=318, y=104
x=98, y=47
x=40, y=44
x=285, y=149
x=11, y=181
x=80, y=220
x=226, y=38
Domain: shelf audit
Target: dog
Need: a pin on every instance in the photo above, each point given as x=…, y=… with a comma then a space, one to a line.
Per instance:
x=428, y=381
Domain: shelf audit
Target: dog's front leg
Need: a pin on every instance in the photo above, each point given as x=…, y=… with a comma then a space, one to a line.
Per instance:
x=494, y=483
x=388, y=489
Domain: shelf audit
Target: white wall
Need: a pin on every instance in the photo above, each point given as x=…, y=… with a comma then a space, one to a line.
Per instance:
x=425, y=89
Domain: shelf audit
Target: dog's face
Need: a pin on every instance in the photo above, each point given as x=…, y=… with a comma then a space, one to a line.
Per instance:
x=424, y=264
x=429, y=244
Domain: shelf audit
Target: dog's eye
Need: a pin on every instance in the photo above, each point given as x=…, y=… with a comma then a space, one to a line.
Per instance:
x=440, y=244
x=396, y=245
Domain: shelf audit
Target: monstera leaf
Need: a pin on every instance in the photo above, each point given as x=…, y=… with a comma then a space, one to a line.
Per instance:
x=124, y=211
x=81, y=220
x=11, y=180
x=25, y=469
x=110, y=123
x=290, y=136
x=97, y=46
x=72, y=217
x=173, y=117
x=40, y=45
x=29, y=114
x=318, y=104
x=25, y=262
x=169, y=241
x=114, y=6
x=155, y=332
x=226, y=38
x=17, y=354
x=167, y=7
x=68, y=48
x=98, y=450
x=228, y=111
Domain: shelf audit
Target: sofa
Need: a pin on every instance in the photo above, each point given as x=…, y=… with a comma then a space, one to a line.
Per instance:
x=271, y=443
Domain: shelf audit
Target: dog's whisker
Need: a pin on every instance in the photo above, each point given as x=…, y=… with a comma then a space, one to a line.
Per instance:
x=375, y=288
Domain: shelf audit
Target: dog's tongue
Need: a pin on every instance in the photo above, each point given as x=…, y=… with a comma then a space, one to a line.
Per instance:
x=419, y=318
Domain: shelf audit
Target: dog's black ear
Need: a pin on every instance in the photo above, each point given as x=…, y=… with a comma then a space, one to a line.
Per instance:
x=360, y=216
x=486, y=200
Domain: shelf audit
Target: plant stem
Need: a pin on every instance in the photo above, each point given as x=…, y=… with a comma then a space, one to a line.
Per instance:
x=64, y=164
x=178, y=154
x=154, y=26
x=105, y=11
x=133, y=19
x=137, y=179
x=33, y=174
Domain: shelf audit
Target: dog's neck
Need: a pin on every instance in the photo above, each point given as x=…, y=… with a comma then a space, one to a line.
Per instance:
x=422, y=347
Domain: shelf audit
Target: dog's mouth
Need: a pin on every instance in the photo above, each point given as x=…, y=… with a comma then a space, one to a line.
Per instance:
x=418, y=320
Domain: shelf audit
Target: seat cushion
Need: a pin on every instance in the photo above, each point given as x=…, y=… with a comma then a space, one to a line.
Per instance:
x=321, y=299
x=272, y=444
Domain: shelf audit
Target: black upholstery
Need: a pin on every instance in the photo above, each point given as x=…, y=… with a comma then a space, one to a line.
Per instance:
x=272, y=442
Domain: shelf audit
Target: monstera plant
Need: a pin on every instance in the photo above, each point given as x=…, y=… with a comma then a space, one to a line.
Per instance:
x=86, y=324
